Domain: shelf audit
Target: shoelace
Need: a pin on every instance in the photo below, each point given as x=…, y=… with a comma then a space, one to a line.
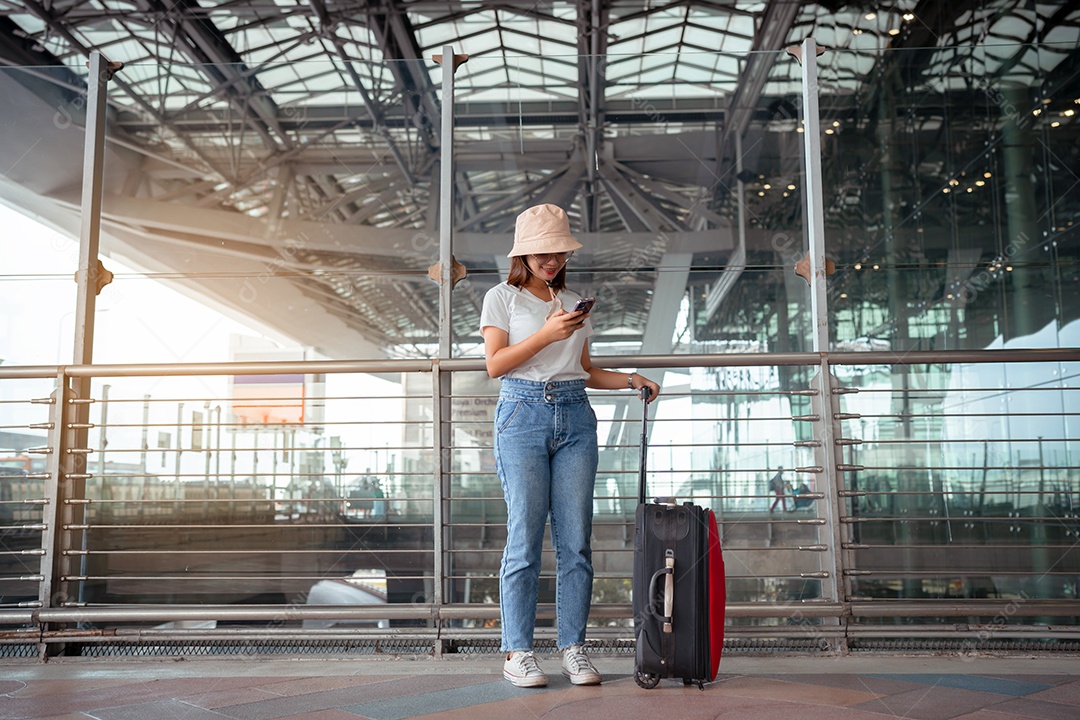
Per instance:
x=528, y=664
x=578, y=660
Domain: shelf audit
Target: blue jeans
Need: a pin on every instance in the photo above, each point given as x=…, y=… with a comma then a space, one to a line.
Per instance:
x=546, y=456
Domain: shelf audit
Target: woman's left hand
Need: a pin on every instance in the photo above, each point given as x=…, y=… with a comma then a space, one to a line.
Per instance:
x=640, y=381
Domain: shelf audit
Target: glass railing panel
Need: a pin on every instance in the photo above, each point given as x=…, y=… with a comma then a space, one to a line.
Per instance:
x=25, y=412
x=716, y=437
x=973, y=459
x=257, y=489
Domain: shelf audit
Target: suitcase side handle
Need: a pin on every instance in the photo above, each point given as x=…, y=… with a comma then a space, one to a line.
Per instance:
x=669, y=589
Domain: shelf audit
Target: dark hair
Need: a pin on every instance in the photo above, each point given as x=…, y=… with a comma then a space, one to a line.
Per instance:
x=519, y=274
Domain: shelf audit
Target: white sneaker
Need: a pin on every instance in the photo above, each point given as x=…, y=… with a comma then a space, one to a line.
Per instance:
x=522, y=670
x=577, y=666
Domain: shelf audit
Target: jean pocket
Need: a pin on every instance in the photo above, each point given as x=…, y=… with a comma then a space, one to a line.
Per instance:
x=505, y=412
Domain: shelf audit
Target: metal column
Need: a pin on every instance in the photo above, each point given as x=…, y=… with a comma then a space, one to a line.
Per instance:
x=65, y=540
x=826, y=452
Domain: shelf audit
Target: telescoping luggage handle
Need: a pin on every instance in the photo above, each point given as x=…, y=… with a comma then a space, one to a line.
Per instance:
x=645, y=392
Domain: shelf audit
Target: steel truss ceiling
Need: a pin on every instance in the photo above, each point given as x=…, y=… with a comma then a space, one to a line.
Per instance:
x=299, y=139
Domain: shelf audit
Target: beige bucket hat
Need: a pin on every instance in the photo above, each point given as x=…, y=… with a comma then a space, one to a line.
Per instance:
x=543, y=229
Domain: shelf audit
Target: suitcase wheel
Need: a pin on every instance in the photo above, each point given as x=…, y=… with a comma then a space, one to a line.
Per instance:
x=646, y=680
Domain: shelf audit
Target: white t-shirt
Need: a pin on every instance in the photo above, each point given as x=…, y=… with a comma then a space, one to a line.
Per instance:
x=520, y=314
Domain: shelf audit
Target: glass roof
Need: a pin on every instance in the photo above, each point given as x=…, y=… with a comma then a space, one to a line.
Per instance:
x=329, y=111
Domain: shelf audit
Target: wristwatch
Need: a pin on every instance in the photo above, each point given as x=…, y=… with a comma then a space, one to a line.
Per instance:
x=630, y=381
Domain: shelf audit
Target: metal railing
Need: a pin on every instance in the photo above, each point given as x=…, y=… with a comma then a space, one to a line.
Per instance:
x=220, y=530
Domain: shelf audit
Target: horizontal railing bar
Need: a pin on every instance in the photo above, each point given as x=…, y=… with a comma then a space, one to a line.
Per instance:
x=224, y=578
x=905, y=358
x=868, y=609
x=1018, y=520
x=876, y=574
x=962, y=546
x=187, y=551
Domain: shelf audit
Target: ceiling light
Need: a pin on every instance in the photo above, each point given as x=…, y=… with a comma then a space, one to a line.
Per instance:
x=987, y=174
x=1069, y=113
x=843, y=296
x=980, y=183
x=858, y=266
x=946, y=190
x=1036, y=112
x=876, y=266
x=836, y=123
x=1055, y=124
x=894, y=31
x=767, y=186
x=908, y=16
x=1008, y=268
x=760, y=194
x=871, y=16
x=791, y=187
x=970, y=189
x=830, y=131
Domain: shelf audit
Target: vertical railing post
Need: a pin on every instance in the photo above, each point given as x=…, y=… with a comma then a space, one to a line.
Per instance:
x=442, y=384
x=826, y=451
x=815, y=196
x=439, y=533
x=63, y=562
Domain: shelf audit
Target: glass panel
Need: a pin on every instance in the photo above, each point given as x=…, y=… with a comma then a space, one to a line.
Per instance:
x=24, y=411
x=258, y=489
x=947, y=205
x=977, y=459
x=296, y=212
x=716, y=437
x=670, y=238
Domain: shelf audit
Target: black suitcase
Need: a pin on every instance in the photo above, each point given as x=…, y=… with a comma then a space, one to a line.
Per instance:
x=678, y=588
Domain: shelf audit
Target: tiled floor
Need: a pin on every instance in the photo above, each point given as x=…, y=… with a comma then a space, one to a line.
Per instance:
x=749, y=688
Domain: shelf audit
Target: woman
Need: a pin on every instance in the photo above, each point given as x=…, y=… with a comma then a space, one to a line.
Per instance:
x=545, y=440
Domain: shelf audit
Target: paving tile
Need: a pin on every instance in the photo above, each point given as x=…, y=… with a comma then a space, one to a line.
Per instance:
x=1035, y=678
x=330, y=714
x=59, y=687
x=171, y=709
x=378, y=690
x=797, y=691
x=1067, y=693
x=978, y=683
x=689, y=707
x=618, y=700
x=87, y=696
x=933, y=703
x=1027, y=707
x=304, y=685
x=225, y=698
x=864, y=683
x=990, y=715
x=452, y=699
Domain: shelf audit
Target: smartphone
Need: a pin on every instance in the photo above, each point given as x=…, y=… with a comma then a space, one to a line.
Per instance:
x=584, y=305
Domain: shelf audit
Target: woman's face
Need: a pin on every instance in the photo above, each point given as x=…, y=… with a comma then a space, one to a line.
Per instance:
x=547, y=265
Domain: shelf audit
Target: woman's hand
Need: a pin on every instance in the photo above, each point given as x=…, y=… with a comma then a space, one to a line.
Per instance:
x=562, y=324
x=640, y=381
